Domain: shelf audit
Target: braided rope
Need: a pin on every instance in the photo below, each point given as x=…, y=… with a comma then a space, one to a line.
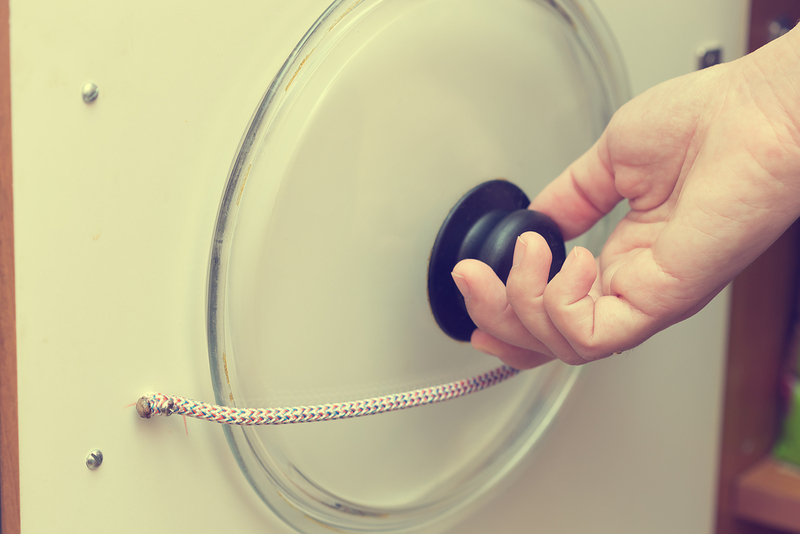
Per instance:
x=160, y=404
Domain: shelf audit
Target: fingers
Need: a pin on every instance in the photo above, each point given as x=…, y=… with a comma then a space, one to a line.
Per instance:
x=526, y=289
x=487, y=304
x=530, y=321
x=595, y=326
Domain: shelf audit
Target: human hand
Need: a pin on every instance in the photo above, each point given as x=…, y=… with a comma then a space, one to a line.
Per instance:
x=710, y=165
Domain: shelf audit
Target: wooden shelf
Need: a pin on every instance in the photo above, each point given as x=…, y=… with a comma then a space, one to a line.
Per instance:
x=769, y=494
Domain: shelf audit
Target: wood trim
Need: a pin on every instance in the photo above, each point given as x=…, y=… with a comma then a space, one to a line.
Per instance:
x=769, y=493
x=9, y=431
x=762, y=311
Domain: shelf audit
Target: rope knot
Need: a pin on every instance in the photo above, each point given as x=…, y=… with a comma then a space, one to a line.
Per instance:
x=158, y=404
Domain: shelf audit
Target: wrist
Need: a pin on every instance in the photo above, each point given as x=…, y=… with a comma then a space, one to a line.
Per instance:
x=770, y=79
x=773, y=75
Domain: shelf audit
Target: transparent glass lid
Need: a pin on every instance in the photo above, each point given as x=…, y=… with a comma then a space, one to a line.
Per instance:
x=386, y=113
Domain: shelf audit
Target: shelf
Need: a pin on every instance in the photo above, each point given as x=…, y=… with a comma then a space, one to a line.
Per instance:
x=769, y=494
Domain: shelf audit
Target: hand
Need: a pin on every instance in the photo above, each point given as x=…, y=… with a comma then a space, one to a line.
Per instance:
x=710, y=165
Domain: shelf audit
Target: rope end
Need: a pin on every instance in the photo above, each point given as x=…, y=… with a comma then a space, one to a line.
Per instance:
x=143, y=408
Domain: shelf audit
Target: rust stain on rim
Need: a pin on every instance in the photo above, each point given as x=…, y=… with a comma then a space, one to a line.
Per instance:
x=302, y=63
x=349, y=9
x=241, y=189
x=227, y=376
x=298, y=68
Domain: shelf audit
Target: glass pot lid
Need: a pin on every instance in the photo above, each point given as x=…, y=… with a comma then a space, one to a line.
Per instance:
x=386, y=113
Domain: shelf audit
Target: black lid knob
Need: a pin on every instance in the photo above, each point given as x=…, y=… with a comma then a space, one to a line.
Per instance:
x=484, y=225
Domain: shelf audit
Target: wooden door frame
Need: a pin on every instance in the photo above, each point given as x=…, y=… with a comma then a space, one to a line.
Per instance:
x=9, y=431
x=763, y=312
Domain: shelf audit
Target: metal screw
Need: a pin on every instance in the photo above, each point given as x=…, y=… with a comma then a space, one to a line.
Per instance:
x=94, y=460
x=89, y=93
x=708, y=57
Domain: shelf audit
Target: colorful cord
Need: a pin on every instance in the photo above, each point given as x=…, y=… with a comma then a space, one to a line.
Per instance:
x=160, y=404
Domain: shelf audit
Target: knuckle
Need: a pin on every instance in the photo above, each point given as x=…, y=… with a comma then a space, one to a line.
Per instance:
x=552, y=299
x=515, y=291
x=523, y=300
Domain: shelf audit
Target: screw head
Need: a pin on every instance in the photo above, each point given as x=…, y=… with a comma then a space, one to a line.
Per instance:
x=89, y=93
x=94, y=460
x=709, y=58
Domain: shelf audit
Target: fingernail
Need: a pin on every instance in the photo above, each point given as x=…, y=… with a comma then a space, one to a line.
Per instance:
x=519, y=252
x=462, y=285
x=571, y=256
